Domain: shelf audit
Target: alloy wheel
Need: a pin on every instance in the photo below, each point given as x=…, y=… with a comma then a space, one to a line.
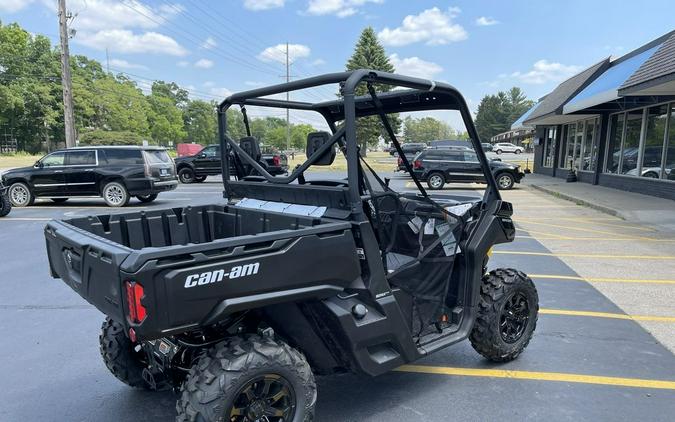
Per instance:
x=514, y=319
x=267, y=398
x=504, y=181
x=436, y=181
x=19, y=195
x=114, y=194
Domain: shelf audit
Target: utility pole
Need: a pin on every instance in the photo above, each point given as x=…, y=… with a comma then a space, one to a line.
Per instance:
x=68, y=119
x=288, y=115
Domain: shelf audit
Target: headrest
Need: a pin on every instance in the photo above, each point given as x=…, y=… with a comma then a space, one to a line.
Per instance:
x=252, y=147
x=315, y=141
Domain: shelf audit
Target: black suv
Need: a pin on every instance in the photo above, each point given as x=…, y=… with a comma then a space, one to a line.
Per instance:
x=195, y=168
x=440, y=166
x=410, y=148
x=114, y=173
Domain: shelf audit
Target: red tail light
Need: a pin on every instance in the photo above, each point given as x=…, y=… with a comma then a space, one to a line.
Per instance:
x=276, y=160
x=417, y=164
x=135, y=293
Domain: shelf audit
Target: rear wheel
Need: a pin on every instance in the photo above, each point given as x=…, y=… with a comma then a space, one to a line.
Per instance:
x=147, y=198
x=249, y=379
x=124, y=359
x=59, y=200
x=5, y=205
x=200, y=179
x=507, y=315
x=505, y=181
x=499, y=151
x=115, y=194
x=186, y=175
x=436, y=181
x=518, y=151
x=20, y=195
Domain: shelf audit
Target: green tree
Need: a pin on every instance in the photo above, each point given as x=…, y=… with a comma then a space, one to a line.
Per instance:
x=370, y=54
x=497, y=112
x=235, y=124
x=201, y=122
x=426, y=129
x=299, y=135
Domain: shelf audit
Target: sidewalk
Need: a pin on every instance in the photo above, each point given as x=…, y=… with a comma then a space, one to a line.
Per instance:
x=642, y=209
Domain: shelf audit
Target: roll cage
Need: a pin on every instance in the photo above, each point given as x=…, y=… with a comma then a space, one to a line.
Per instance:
x=341, y=116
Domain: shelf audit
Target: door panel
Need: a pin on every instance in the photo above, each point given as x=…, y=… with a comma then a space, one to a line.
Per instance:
x=208, y=160
x=80, y=173
x=48, y=179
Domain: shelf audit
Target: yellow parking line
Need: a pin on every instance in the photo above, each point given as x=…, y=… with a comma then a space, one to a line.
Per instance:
x=599, y=279
x=581, y=229
x=540, y=376
x=606, y=315
x=582, y=255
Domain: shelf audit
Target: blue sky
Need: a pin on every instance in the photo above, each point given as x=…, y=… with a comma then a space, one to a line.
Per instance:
x=216, y=47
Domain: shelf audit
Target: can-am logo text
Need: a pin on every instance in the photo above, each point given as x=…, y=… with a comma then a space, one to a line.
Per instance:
x=209, y=277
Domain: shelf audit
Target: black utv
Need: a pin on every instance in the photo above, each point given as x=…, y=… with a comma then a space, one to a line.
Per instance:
x=239, y=304
x=5, y=204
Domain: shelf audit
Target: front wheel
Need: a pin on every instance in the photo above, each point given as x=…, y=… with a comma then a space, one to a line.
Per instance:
x=499, y=151
x=186, y=175
x=518, y=151
x=249, y=379
x=507, y=315
x=20, y=195
x=505, y=181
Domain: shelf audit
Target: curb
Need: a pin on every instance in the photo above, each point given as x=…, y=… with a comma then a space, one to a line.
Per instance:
x=579, y=201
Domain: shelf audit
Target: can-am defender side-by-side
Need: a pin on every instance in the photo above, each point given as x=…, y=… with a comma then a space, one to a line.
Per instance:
x=5, y=204
x=239, y=304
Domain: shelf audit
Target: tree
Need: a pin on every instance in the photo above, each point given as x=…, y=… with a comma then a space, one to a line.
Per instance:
x=426, y=129
x=497, y=112
x=370, y=54
x=201, y=122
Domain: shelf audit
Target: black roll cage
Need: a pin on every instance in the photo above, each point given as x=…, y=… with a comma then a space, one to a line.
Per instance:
x=422, y=94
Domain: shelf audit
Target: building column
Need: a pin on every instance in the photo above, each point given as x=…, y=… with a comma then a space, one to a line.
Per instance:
x=602, y=143
x=558, y=140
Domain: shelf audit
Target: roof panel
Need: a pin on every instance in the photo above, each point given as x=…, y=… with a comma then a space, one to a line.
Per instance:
x=518, y=124
x=661, y=66
x=606, y=87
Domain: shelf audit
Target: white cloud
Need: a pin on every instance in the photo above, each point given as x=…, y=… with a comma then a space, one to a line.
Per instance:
x=486, y=21
x=220, y=92
x=414, y=66
x=123, y=64
x=277, y=53
x=204, y=64
x=209, y=43
x=263, y=4
x=126, y=41
x=183, y=63
x=13, y=6
x=339, y=8
x=432, y=26
x=96, y=15
x=544, y=71
x=318, y=62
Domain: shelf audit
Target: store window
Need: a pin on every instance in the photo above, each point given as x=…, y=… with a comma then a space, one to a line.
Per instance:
x=589, y=148
x=652, y=156
x=549, y=147
x=631, y=142
x=669, y=167
x=616, y=126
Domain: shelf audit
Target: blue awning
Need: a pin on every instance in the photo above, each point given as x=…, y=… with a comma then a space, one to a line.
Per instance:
x=606, y=87
x=518, y=124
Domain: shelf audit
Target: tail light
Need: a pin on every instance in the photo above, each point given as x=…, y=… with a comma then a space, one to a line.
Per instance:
x=276, y=160
x=400, y=161
x=417, y=164
x=135, y=293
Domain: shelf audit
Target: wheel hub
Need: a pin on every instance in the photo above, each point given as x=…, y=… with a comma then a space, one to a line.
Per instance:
x=267, y=398
x=514, y=319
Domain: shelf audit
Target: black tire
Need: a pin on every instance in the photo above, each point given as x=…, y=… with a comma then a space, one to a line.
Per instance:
x=518, y=151
x=651, y=175
x=186, y=175
x=20, y=195
x=218, y=379
x=200, y=179
x=147, y=198
x=505, y=181
x=59, y=200
x=435, y=180
x=5, y=205
x=499, y=151
x=115, y=194
x=491, y=336
x=120, y=356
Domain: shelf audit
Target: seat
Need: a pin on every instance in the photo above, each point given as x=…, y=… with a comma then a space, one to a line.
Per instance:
x=251, y=146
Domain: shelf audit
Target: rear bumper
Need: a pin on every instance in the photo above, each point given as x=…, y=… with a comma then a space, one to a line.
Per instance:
x=519, y=176
x=150, y=187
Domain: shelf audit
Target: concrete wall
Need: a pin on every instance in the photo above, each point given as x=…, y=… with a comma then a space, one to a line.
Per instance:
x=644, y=185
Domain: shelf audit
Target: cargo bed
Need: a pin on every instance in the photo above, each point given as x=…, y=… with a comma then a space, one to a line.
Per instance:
x=199, y=264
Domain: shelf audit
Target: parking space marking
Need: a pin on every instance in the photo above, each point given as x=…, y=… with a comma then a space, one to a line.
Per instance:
x=566, y=312
x=552, y=236
x=599, y=279
x=581, y=229
x=594, y=256
x=540, y=376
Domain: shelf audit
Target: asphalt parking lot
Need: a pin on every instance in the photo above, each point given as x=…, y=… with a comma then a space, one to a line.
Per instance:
x=603, y=348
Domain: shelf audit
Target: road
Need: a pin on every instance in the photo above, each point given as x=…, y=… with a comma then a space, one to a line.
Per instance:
x=599, y=353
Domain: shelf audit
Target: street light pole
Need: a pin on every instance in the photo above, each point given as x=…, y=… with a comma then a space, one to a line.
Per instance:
x=66, y=83
x=288, y=116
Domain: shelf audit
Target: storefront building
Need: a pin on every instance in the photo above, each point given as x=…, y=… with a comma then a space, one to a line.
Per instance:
x=613, y=123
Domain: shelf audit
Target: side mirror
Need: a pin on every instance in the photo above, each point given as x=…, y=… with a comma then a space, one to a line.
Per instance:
x=38, y=164
x=202, y=155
